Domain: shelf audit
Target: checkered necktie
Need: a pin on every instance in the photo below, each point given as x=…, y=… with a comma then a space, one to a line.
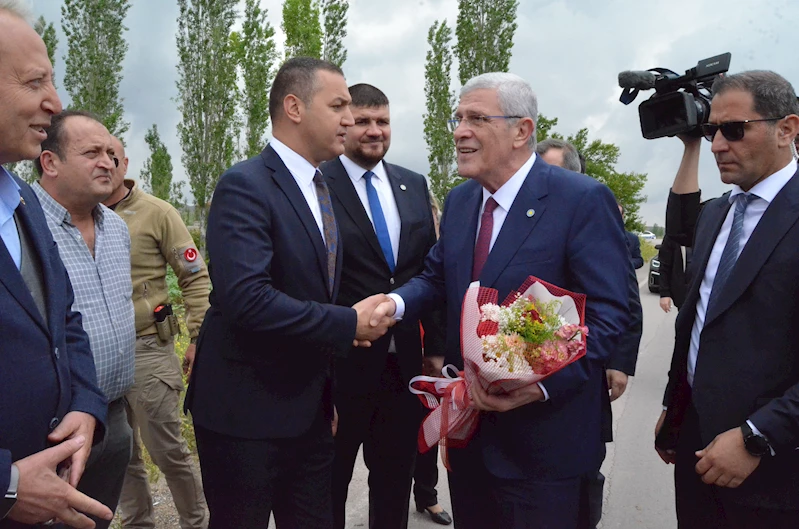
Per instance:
x=328, y=226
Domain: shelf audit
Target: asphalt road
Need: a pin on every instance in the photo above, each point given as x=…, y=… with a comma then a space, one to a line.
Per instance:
x=639, y=490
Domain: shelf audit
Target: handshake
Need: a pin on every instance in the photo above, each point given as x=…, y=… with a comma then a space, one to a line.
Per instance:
x=375, y=316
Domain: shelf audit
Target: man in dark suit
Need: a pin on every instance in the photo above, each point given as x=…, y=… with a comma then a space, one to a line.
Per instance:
x=51, y=410
x=261, y=389
x=386, y=225
x=518, y=216
x=732, y=400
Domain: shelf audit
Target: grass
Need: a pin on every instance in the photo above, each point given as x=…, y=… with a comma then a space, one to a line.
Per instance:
x=648, y=250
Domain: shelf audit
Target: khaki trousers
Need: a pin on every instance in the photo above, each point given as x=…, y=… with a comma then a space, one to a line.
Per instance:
x=155, y=419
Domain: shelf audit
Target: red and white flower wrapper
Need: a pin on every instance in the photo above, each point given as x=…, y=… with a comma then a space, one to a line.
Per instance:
x=454, y=420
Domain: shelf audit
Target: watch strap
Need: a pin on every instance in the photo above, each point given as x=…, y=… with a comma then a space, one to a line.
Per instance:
x=10, y=498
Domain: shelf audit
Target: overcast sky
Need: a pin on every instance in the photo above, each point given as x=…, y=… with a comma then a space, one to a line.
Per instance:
x=569, y=50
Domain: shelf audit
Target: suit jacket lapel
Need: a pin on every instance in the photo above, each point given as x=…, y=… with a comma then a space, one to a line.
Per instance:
x=715, y=212
x=518, y=224
x=285, y=181
x=404, y=208
x=341, y=184
x=465, y=240
x=11, y=277
x=780, y=216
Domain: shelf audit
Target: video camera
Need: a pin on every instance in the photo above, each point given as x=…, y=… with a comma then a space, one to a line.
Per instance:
x=681, y=103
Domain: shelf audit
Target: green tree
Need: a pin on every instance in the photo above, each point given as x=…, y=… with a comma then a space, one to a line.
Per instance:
x=256, y=56
x=440, y=104
x=156, y=175
x=24, y=169
x=600, y=163
x=207, y=94
x=335, y=29
x=485, y=31
x=96, y=50
x=302, y=28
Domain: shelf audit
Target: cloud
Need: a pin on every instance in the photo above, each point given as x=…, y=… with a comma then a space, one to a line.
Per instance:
x=569, y=50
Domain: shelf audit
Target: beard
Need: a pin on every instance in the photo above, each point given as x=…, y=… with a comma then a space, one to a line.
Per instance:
x=368, y=158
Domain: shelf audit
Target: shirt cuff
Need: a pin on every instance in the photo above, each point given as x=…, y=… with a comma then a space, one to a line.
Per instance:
x=546, y=393
x=400, y=311
x=757, y=432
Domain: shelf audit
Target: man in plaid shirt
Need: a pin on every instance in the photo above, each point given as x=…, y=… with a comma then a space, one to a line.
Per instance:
x=75, y=176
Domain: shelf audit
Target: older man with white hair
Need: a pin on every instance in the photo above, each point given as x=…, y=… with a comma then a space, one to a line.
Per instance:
x=51, y=410
x=517, y=217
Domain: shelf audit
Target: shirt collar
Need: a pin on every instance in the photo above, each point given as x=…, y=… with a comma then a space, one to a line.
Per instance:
x=9, y=195
x=53, y=209
x=356, y=172
x=299, y=167
x=768, y=188
x=506, y=194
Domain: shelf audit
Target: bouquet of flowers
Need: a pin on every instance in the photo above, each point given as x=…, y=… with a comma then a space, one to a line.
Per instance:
x=536, y=331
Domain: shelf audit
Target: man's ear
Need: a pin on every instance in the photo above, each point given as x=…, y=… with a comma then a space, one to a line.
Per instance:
x=788, y=129
x=48, y=160
x=294, y=108
x=525, y=130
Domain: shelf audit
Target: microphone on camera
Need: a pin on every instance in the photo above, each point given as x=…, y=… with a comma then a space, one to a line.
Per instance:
x=637, y=80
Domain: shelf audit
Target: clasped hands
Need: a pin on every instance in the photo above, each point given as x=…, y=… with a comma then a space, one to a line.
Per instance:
x=375, y=316
x=724, y=462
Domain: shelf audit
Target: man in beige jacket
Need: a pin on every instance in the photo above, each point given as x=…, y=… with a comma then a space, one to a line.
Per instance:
x=159, y=237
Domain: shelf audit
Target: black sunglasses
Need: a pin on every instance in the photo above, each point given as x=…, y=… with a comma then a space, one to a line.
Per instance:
x=731, y=130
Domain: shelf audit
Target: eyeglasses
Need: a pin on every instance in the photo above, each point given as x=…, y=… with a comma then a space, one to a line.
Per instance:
x=475, y=122
x=731, y=130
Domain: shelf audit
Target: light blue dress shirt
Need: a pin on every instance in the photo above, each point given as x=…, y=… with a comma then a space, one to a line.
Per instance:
x=9, y=200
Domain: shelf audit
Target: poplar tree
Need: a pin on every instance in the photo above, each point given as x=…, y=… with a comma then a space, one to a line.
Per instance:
x=302, y=28
x=156, y=175
x=256, y=55
x=335, y=29
x=440, y=105
x=485, y=31
x=207, y=94
x=96, y=49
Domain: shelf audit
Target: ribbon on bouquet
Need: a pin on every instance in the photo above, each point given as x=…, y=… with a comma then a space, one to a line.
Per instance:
x=453, y=420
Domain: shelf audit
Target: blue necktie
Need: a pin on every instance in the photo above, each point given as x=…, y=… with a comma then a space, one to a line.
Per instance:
x=730, y=253
x=379, y=220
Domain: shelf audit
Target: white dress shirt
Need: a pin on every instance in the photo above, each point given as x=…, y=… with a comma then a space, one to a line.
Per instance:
x=303, y=173
x=384, y=192
x=765, y=191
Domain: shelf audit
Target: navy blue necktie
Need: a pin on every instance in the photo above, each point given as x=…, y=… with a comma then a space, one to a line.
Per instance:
x=729, y=255
x=328, y=226
x=379, y=220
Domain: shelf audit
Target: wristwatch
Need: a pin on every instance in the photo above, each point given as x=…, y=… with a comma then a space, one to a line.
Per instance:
x=8, y=501
x=755, y=444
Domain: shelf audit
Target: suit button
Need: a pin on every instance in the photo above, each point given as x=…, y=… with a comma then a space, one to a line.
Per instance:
x=54, y=422
x=391, y=280
x=57, y=354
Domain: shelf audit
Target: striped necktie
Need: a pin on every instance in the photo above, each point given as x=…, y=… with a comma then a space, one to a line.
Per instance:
x=328, y=226
x=730, y=254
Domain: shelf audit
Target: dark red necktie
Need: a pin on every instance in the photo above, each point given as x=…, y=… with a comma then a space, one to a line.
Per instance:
x=484, y=238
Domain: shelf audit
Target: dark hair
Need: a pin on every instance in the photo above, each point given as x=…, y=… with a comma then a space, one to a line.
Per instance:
x=582, y=162
x=57, y=136
x=366, y=95
x=297, y=76
x=773, y=95
x=571, y=158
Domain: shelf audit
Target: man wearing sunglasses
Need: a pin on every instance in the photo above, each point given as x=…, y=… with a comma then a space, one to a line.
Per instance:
x=731, y=406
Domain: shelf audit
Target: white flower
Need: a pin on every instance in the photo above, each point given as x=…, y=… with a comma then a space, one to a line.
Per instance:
x=490, y=312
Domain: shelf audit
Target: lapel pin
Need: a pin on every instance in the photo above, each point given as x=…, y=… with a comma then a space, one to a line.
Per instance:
x=402, y=186
x=22, y=201
x=530, y=213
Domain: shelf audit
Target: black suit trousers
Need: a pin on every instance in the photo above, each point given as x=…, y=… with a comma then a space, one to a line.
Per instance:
x=701, y=506
x=246, y=480
x=386, y=422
